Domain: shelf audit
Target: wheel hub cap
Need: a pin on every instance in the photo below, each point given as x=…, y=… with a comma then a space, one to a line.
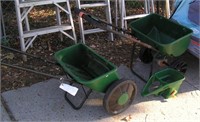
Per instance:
x=123, y=99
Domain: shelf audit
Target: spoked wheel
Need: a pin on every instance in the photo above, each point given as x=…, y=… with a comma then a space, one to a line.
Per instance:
x=179, y=65
x=145, y=55
x=119, y=96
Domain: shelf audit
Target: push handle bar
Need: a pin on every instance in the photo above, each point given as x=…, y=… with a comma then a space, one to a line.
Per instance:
x=103, y=25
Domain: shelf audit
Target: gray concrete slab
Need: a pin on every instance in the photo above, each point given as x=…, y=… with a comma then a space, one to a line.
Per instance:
x=192, y=74
x=4, y=114
x=45, y=102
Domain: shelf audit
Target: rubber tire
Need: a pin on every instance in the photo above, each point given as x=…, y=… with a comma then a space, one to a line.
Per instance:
x=145, y=55
x=110, y=92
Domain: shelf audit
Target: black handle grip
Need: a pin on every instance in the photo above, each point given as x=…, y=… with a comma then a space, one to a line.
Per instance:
x=77, y=11
x=87, y=17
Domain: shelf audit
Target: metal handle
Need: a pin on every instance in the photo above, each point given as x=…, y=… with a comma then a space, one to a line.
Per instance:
x=94, y=21
x=24, y=53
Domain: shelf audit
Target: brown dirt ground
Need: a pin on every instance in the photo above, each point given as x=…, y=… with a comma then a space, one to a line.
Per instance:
x=117, y=51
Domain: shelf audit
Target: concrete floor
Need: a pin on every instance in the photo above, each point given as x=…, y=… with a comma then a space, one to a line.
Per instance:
x=45, y=102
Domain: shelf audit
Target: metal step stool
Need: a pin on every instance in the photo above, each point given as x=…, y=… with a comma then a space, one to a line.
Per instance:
x=148, y=8
x=26, y=35
x=104, y=3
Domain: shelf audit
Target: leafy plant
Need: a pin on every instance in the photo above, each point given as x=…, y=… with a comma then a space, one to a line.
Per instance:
x=4, y=41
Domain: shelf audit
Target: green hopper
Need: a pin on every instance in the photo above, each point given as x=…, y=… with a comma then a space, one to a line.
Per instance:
x=165, y=82
x=89, y=69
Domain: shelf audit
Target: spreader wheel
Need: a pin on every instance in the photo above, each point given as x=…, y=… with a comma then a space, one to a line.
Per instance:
x=179, y=65
x=145, y=55
x=119, y=96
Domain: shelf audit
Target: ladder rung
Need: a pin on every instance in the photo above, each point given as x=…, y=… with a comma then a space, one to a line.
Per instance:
x=96, y=30
x=93, y=5
x=46, y=30
x=41, y=2
x=135, y=16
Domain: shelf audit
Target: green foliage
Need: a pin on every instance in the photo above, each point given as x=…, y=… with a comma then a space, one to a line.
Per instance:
x=4, y=41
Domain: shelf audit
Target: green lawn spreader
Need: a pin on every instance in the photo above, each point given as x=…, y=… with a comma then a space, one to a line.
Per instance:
x=158, y=40
x=171, y=40
x=88, y=68
x=84, y=67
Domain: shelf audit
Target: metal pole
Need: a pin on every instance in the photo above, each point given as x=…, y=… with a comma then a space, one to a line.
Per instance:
x=20, y=28
x=80, y=21
x=121, y=3
x=33, y=71
x=152, y=6
x=24, y=53
x=116, y=12
x=71, y=21
x=167, y=8
x=27, y=26
x=108, y=18
x=145, y=6
x=26, y=21
x=3, y=31
x=58, y=20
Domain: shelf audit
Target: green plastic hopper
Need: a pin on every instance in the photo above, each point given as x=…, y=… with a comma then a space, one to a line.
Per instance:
x=165, y=82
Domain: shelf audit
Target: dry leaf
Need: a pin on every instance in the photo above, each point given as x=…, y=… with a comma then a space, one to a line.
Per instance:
x=127, y=119
x=9, y=56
